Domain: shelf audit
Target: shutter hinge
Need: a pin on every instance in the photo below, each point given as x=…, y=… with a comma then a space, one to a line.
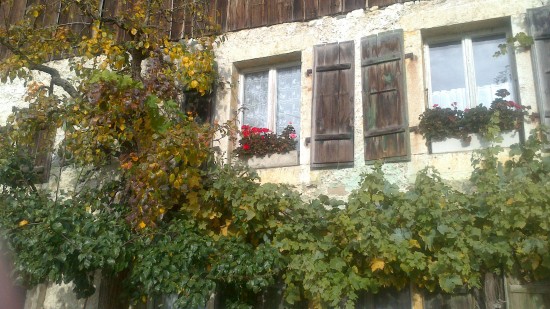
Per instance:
x=409, y=56
x=307, y=140
x=309, y=72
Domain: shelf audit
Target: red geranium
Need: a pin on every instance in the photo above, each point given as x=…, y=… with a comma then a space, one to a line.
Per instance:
x=259, y=142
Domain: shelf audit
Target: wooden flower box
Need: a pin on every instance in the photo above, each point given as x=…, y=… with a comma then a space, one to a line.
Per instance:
x=274, y=160
x=476, y=142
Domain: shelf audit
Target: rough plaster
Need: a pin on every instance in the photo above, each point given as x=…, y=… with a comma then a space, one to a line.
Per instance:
x=262, y=43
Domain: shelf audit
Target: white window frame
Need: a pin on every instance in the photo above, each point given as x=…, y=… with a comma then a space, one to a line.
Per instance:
x=271, y=91
x=469, y=68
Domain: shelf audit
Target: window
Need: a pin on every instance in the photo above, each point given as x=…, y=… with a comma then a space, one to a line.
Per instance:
x=465, y=71
x=271, y=97
x=540, y=30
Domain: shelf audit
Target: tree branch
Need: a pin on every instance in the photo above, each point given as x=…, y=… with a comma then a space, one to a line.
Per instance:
x=56, y=78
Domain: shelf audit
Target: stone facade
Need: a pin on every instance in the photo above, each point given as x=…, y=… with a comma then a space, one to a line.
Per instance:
x=419, y=20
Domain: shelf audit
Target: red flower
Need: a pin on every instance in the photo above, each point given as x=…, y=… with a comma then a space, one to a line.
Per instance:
x=436, y=105
x=246, y=147
x=514, y=105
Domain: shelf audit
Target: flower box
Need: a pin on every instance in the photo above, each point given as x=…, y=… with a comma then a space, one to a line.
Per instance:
x=274, y=160
x=476, y=142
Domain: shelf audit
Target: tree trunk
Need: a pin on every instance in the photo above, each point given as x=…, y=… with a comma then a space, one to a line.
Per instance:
x=111, y=292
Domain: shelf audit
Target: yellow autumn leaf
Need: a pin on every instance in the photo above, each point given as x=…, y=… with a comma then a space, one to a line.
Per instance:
x=414, y=243
x=377, y=264
x=133, y=31
x=35, y=13
x=142, y=225
x=225, y=227
x=23, y=223
x=194, y=84
x=510, y=201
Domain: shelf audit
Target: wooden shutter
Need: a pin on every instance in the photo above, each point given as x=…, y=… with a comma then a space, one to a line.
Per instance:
x=384, y=101
x=539, y=20
x=43, y=139
x=332, y=140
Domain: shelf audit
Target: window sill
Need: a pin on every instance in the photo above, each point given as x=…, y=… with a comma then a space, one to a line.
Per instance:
x=477, y=142
x=275, y=160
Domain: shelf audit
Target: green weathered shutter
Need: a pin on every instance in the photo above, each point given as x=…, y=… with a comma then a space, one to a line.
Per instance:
x=539, y=20
x=332, y=140
x=384, y=101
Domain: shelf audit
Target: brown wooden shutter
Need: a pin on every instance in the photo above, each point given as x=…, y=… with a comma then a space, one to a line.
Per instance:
x=42, y=154
x=384, y=101
x=539, y=20
x=332, y=140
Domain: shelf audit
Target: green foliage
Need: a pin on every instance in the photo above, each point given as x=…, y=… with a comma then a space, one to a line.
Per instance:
x=430, y=234
x=521, y=41
x=63, y=241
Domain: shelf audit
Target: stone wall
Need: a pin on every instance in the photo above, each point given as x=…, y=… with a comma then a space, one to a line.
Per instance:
x=418, y=20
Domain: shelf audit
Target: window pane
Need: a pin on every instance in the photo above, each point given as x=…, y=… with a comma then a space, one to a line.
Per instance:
x=492, y=73
x=288, y=98
x=255, y=111
x=447, y=75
